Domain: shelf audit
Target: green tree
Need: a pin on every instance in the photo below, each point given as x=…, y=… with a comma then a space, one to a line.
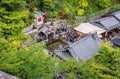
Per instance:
x=67, y=12
x=45, y=5
x=14, y=16
x=53, y=14
x=28, y=63
x=104, y=65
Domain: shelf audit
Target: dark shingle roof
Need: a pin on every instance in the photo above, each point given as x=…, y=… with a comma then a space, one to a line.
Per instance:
x=82, y=49
x=85, y=47
x=6, y=76
x=107, y=23
x=116, y=15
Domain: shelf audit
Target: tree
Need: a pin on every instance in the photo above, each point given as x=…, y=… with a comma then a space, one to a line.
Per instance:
x=14, y=17
x=53, y=14
x=28, y=63
x=104, y=65
x=45, y=5
x=24, y=62
x=82, y=5
x=68, y=13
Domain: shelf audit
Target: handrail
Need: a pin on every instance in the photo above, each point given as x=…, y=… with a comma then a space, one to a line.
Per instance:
x=79, y=19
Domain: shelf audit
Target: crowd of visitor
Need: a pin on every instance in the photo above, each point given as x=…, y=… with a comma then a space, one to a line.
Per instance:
x=61, y=30
x=110, y=35
x=71, y=36
x=68, y=34
x=59, y=76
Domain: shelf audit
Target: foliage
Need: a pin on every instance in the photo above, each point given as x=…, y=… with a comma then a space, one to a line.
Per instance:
x=80, y=12
x=103, y=3
x=49, y=4
x=53, y=14
x=13, y=17
x=83, y=3
x=3, y=45
x=114, y=9
x=28, y=63
x=104, y=65
x=45, y=5
x=71, y=7
x=67, y=12
x=21, y=61
x=13, y=5
x=118, y=27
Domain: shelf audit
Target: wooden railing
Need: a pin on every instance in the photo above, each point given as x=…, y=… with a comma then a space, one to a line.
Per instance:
x=79, y=19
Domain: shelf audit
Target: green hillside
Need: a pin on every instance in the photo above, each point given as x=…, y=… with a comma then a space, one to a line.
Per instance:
x=76, y=7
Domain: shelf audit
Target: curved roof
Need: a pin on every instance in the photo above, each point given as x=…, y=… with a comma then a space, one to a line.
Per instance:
x=87, y=28
x=85, y=47
x=108, y=22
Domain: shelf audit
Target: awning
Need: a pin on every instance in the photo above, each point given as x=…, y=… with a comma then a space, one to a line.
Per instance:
x=87, y=28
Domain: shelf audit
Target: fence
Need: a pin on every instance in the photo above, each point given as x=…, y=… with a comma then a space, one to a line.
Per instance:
x=96, y=14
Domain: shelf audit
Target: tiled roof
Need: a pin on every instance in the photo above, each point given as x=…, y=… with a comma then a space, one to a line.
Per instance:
x=117, y=14
x=82, y=49
x=6, y=76
x=85, y=47
x=108, y=21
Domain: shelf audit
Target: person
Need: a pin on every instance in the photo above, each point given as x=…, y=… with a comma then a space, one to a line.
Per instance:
x=107, y=36
x=57, y=76
x=100, y=36
x=60, y=76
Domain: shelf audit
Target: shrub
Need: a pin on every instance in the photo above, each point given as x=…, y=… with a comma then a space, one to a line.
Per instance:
x=53, y=14
x=80, y=12
x=67, y=11
x=83, y=3
x=103, y=3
